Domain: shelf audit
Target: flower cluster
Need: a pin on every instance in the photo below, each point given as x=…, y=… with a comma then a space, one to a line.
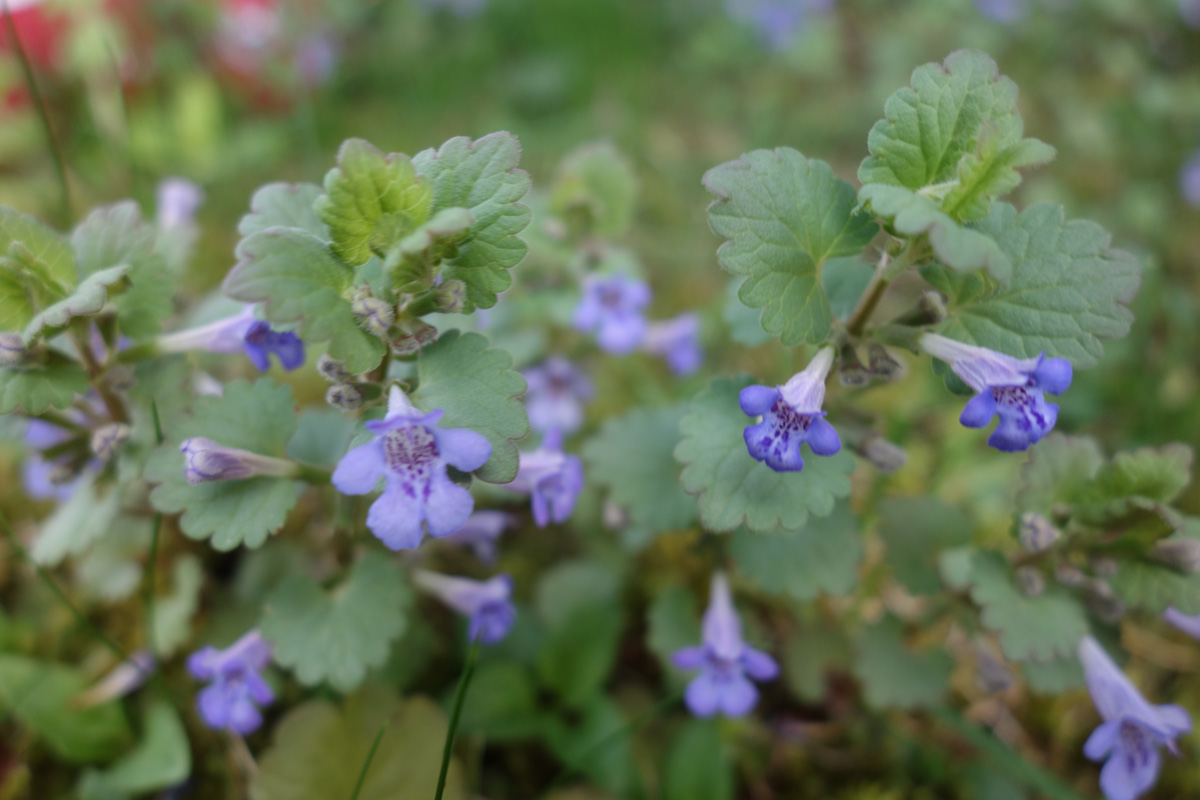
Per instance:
x=614, y=307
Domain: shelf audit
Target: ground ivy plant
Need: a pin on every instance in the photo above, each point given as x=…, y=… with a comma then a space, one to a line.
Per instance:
x=491, y=369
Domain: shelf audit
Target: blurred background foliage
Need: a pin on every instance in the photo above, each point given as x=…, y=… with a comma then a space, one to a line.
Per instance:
x=138, y=90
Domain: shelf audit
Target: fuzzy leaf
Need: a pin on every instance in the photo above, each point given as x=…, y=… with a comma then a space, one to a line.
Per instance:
x=34, y=389
x=598, y=182
x=478, y=389
x=963, y=249
x=39, y=695
x=76, y=523
x=319, y=751
x=1157, y=474
x=735, y=490
x=928, y=128
x=335, y=636
x=482, y=177
x=915, y=530
x=117, y=234
x=1039, y=628
x=285, y=205
x=257, y=417
x=784, y=215
x=371, y=201
x=1067, y=292
x=88, y=298
x=820, y=557
x=52, y=260
x=1060, y=470
x=991, y=171
x=698, y=766
x=1153, y=587
x=633, y=456
x=895, y=676
x=298, y=280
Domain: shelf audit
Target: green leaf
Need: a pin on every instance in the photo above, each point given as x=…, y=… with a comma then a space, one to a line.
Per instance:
x=809, y=655
x=1059, y=470
x=928, y=128
x=784, y=215
x=893, y=675
x=89, y=298
x=633, y=457
x=915, y=530
x=845, y=280
x=322, y=437
x=697, y=765
x=40, y=694
x=478, y=389
x=298, y=280
x=173, y=613
x=411, y=263
x=35, y=389
x=482, y=177
x=17, y=304
x=991, y=171
x=961, y=248
x=742, y=320
x=1067, y=291
x=596, y=742
x=736, y=490
x=371, y=201
x=285, y=205
x=1157, y=474
x=1039, y=628
x=822, y=556
x=335, y=636
x=1153, y=587
x=258, y=417
x=319, y=751
x=52, y=259
x=114, y=235
x=596, y=182
x=502, y=704
x=1054, y=677
x=575, y=602
x=77, y=523
x=162, y=759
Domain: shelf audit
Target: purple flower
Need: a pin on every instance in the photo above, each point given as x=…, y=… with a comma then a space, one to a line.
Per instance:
x=1189, y=11
x=487, y=604
x=614, y=306
x=791, y=415
x=231, y=701
x=412, y=454
x=481, y=531
x=44, y=478
x=315, y=59
x=1010, y=387
x=178, y=200
x=1132, y=730
x=724, y=661
x=678, y=341
x=552, y=478
x=1189, y=176
x=240, y=333
x=124, y=678
x=1003, y=11
x=557, y=391
x=206, y=461
x=777, y=21
x=1189, y=624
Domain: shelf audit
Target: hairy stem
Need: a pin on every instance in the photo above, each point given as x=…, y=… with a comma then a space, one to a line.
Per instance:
x=885, y=273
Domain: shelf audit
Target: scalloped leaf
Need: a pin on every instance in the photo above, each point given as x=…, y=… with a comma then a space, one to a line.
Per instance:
x=735, y=490
x=633, y=456
x=52, y=259
x=258, y=417
x=285, y=205
x=1068, y=288
x=783, y=216
x=916, y=530
x=895, y=676
x=336, y=636
x=87, y=299
x=821, y=557
x=298, y=280
x=478, y=389
x=482, y=177
x=35, y=389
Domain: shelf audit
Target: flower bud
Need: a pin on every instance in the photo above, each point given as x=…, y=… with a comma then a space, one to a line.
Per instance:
x=449, y=296
x=107, y=438
x=205, y=460
x=881, y=363
x=13, y=352
x=332, y=370
x=933, y=305
x=993, y=674
x=1037, y=534
x=851, y=371
x=414, y=340
x=1070, y=575
x=1104, y=602
x=1104, y=566
x=1030, y=580
x=374, y=314
x=120, y=378
x=882, y=454
x=1181, y=554
x=344, y=396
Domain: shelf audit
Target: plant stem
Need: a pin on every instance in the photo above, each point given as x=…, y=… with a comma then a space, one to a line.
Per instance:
x=39, y=103
x=362, y=775
x=310, y=474
x=116, y=408
x=460, y=695
x=885, y=273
